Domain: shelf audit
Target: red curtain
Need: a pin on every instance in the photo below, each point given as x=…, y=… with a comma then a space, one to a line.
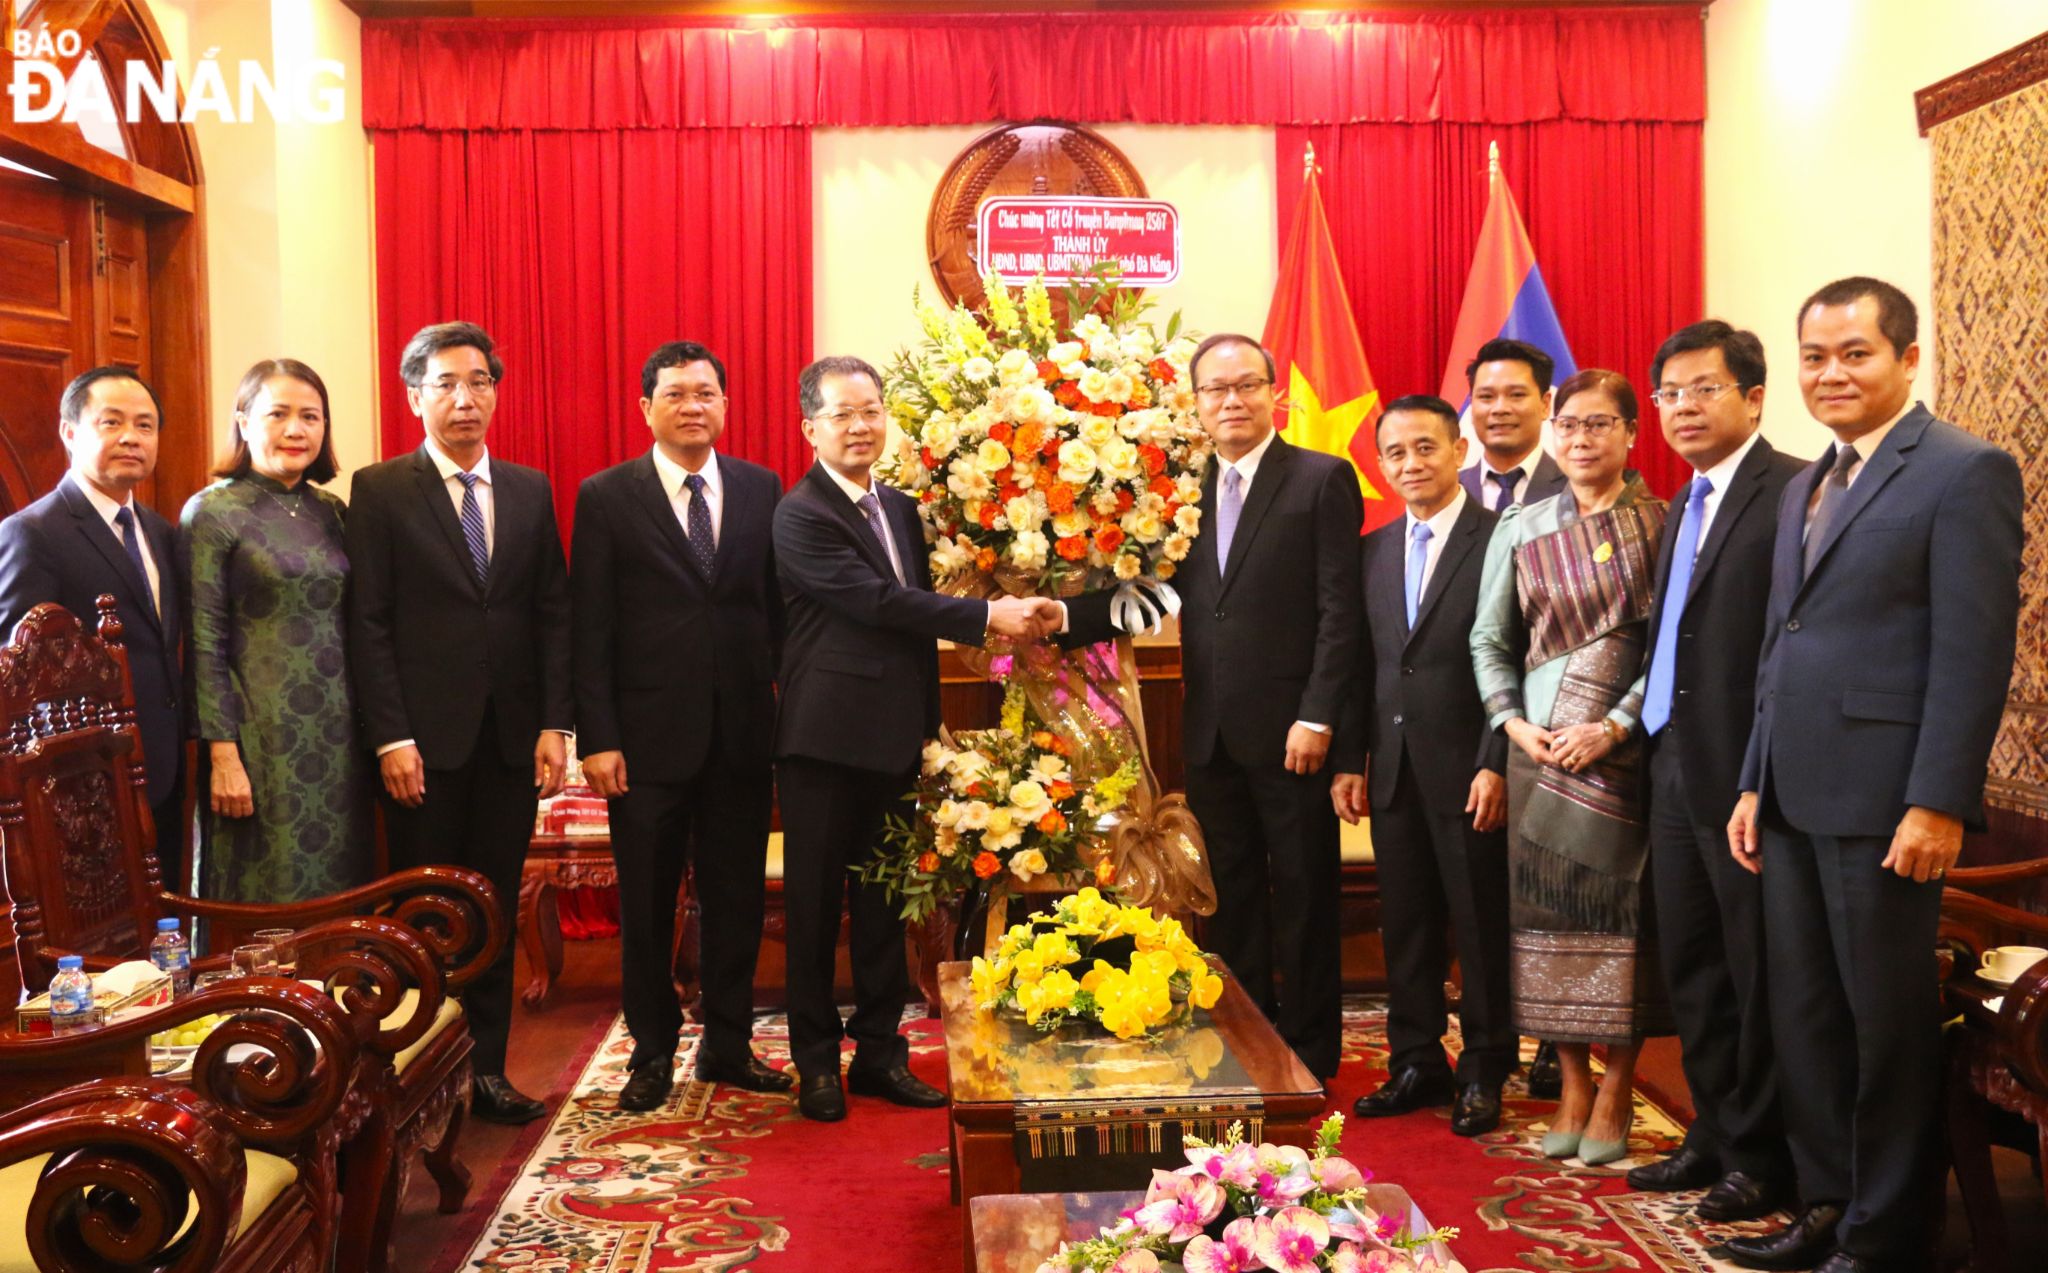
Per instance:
x=1614, y=211
x=582, y=251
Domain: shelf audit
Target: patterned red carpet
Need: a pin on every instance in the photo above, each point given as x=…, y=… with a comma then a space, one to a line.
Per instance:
x=722, y=1179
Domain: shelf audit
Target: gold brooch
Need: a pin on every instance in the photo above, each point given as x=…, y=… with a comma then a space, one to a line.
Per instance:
x=1604, y=553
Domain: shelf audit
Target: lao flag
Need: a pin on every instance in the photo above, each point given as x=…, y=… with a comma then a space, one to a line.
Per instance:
x=1331, y=403
x=1504, y=296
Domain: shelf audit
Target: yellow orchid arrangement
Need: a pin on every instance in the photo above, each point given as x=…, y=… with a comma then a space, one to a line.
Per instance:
x=1136, y=970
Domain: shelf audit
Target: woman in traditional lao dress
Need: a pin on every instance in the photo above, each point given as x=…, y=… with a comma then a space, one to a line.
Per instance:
x=287, y=813
x=1558, y=647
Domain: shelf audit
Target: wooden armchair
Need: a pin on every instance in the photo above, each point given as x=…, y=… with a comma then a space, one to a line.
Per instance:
x=1997, y=1066
x=84, y=878
x=141, y=1174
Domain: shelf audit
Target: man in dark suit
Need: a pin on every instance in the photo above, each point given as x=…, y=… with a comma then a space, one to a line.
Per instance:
x=1888, y=645
x=678, y=620
x=1269, y=635
x=91, y=536
x=1510, y=401
x=459, y=641
x=1437, y=796
x=860, y=695
x=1713, y=580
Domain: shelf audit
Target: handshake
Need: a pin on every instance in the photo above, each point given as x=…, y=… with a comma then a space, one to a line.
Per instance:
x=1025, y=618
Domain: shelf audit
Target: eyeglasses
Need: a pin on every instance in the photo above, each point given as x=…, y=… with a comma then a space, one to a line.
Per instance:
x=869, y=416
x=702, y=397
x=446, y=386
x=1702, y=394
x=1593, y=426
x=1219, y=393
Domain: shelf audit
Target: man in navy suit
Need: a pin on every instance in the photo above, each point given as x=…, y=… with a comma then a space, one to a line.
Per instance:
x=91, y=536
x=459, y=643
x=860, y=695
x=677, y=624
x=1510, y=401
x=1437, y=795
x=1888, y=645
x=1713, y=580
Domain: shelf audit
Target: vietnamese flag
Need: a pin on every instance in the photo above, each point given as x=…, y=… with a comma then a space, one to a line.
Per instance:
x=1332, y=404
x=1504, y=294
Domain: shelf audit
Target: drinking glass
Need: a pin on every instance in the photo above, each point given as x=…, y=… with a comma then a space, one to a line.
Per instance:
x=284, y=945
x=254, y=960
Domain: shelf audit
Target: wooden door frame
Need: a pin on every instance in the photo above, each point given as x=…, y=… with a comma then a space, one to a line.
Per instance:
x=162, y=180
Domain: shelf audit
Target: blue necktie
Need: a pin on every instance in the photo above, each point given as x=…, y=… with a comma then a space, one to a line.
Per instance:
x=473, y=529
x=124, y=517
x=1657, y=694
x=871, y=508
x=1505, y=499
x=1418, y=562
x=1228, y=509
x=702, y=542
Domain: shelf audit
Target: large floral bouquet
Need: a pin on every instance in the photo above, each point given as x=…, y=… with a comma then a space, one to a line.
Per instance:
x=1236, y=1208
x=1136, y=968
x=1050, y=461
x=991, y=801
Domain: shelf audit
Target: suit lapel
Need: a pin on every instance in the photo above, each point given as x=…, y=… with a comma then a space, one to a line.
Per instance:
x=101, y=536
x=433, y=490
x=737, y=499
x=652, y=497
x=1385, y=584
x=908, y=532
x=864, y=541
x=1742, y=490
x=1266, y=484
x=1464, y=534
x=1877, y=471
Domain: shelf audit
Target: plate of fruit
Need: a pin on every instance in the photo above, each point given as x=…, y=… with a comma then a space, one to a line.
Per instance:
x=171, y=1051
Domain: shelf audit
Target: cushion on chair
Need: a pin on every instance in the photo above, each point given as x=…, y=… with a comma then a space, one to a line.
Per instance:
x=269, y=1176
x=774, y=855
x=1355, y=843
x=400, y=1016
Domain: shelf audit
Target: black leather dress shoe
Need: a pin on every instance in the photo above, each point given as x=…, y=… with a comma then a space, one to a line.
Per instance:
x=755, y=1075
x=1687, y=1169
x=1741, y=1196
x=648, y=1086
x=1799, y=1245
x=1843, y=1262
x=496, y=1101
x=896, y=1085
x=1406, y=1090
x=1477, y=1110
x=1546, y=1076
x=819, y=1097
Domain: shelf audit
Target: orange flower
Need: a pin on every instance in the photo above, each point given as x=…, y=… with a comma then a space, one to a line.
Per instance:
x=1010, y=491
x=986, y=864
x=985, y=560
x=1059, y=497
x=1029, y=439
x=1161, y=370
x=1154, y=458
x=1053, y=822
x=1042, y=739
x=1109, y=538
x=1124, y=499
x=1068, y=394
x=1061, y=791
x=927, y=862
x=1161, y=485
x=1051, y=449
x=988, y=515
x=1048, y=371
x=1105, y=872
x=1073, y=547
x=1106, y=408
x=1001, y=432
x=1061, y=747
x=930, y=461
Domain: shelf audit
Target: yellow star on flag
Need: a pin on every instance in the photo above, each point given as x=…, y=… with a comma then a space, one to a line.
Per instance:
x=1330, y=430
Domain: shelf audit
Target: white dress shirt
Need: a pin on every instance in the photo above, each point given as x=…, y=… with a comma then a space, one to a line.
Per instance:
x=1718, y=478
x=679, y=497
x=1439, y=531
x=449, y=469
x=1488, y=487
x=107, y=510
x=857, y=493
x=1247, y=466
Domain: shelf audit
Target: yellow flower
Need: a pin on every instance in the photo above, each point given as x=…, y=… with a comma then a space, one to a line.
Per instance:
x=988, y=980
x=1053, y=992
x=1205, y=990
x=992, y=456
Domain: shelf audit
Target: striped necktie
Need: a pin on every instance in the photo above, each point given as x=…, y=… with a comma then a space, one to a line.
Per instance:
x=473, y=529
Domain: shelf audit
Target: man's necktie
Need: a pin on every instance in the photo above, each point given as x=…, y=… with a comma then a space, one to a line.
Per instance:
x=473, y=528
x=124, y=517
x=1418, y=562
x=1657, y=694
x=702, y=542
x=1228, y=510
x=1504, y=499
x=1832, y=492
x=871, y=508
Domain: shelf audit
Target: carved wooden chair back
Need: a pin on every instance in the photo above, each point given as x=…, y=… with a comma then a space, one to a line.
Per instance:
x=75, y=824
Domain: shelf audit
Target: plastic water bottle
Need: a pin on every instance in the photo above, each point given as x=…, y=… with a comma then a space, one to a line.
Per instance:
x=171, y=955
x=70, y=997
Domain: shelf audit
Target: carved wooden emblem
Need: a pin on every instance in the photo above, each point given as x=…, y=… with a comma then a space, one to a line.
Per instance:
x=1044, y=157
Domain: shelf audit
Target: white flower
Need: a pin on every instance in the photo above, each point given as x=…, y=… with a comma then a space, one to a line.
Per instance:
x=1177, y=547
x=1000, y=820
x=950, y=557
x=1050, y=767
x=1143, y=526
x=1065, y=352
x=1025, y=512
x=1077, y=462
x=1187, y=519
x=978, y=369
x=1028, y=550
x=947, y=816
x=1187, y=488
x=940, y=435
x=1118, y=388
x=1026, y=864
x=936, y=757
x=964, y=481
x=1095, y=385
x=1031, y=404
x=975, y=817
x=1120, y=460
x=1104, y=500
x=969, y=767
x=1180, y=398
x=1092, y=329
x=1007, y=840
x=1098, y=431
x=992, y=456
x=1016, y=368
x=1071, y=523
x=1029, y=799
x=948, y=841
x=1073, y=370
x=1137, y=345
x=1138, y=425
x=1127, y=566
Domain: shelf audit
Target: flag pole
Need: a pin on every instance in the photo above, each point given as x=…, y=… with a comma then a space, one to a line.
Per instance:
x=1492, y=163
x=1308, y=160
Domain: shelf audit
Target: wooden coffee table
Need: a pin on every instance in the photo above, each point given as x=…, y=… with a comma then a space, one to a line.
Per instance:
x=1015, y=1233
x=1080, y=1111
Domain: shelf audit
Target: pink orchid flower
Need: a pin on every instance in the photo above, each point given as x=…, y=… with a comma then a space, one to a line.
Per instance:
x=1351, y=1225
x=1237, y=1166
x=1179, y=1206
x=1290, y=1241
x=1335, y=1175
x=1136, y=1260
x=1234, y=1254
x=1281, y=1191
